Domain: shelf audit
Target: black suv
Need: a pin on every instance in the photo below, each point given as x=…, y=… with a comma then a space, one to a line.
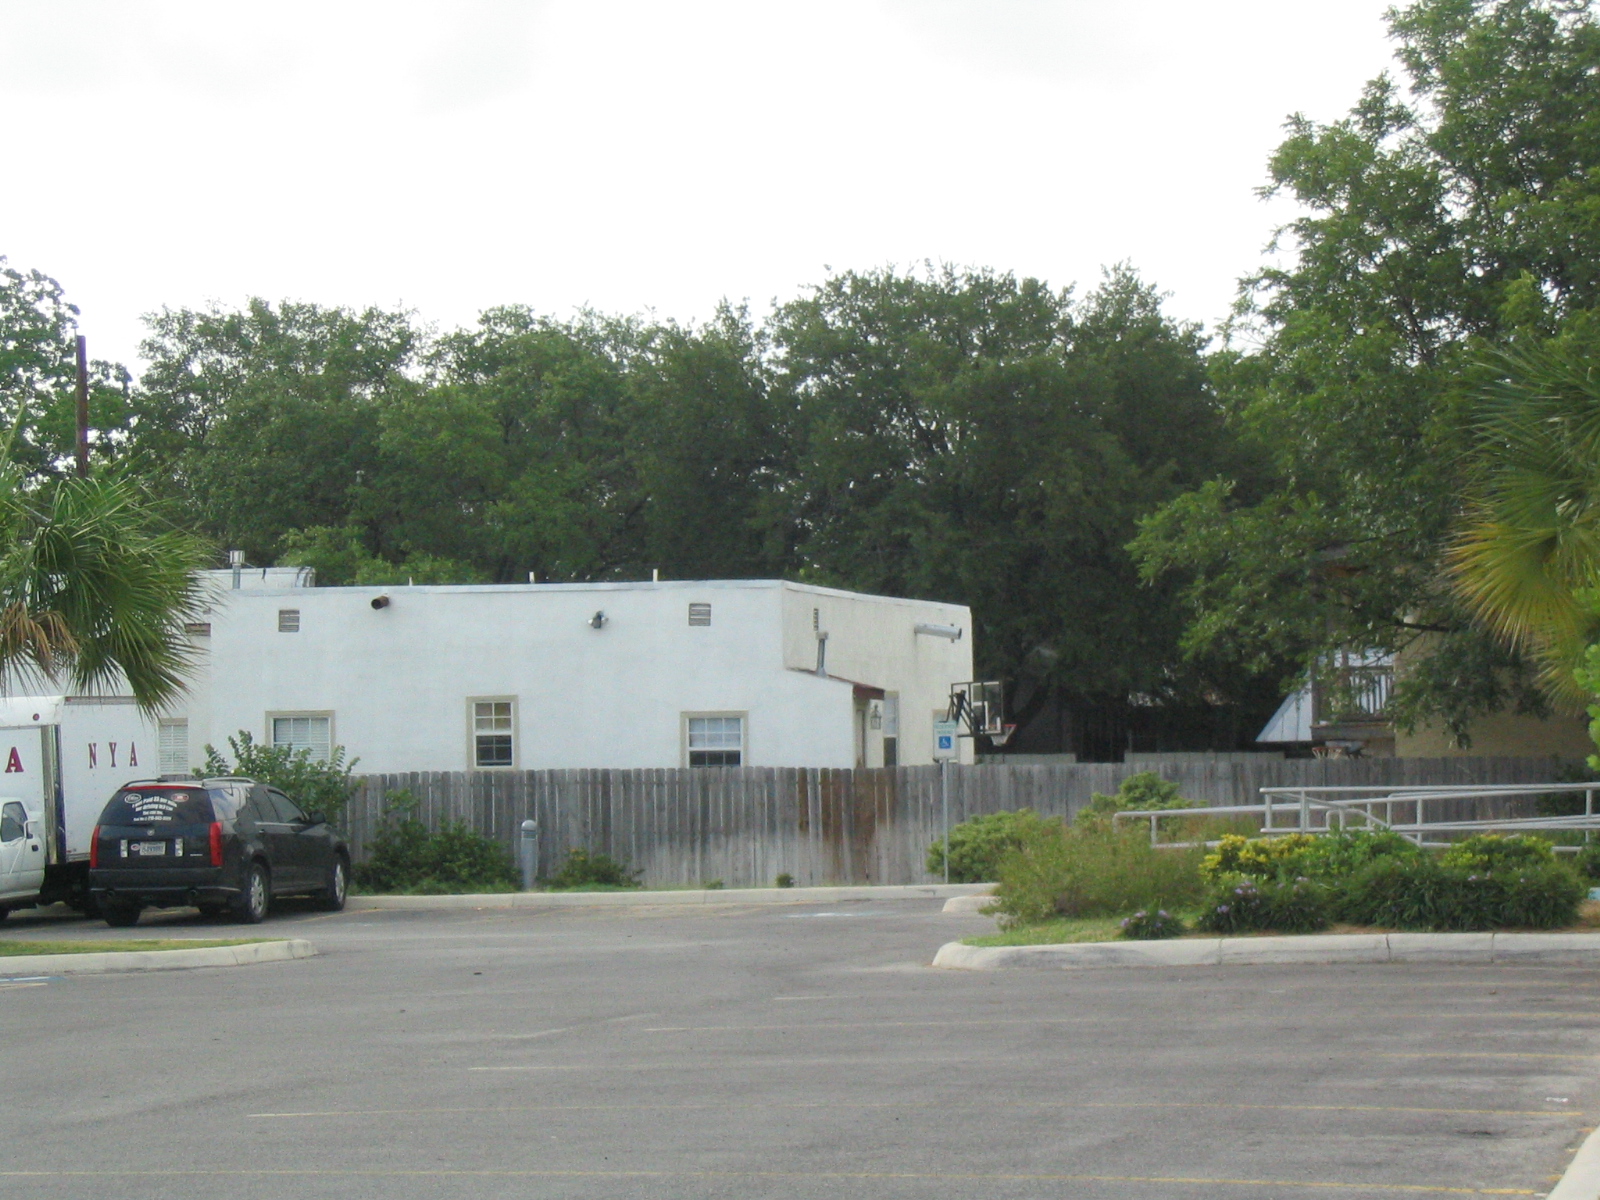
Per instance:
x=218, y=844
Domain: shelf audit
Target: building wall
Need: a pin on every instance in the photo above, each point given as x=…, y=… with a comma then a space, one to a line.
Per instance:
x=1504, y=735
x=399, y=680
x=872, y=640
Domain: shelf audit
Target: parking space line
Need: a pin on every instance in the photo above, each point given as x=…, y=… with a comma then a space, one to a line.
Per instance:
x=1481, y=1054
x=923, y=1104
x=931, y=1176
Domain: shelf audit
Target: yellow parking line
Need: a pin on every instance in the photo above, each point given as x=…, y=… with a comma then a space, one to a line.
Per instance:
x=986, y=1177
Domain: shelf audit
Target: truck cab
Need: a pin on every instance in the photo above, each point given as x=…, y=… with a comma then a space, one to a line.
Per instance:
x=22, y=852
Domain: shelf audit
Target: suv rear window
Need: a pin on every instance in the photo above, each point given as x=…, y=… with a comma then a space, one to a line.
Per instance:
x=159, y=806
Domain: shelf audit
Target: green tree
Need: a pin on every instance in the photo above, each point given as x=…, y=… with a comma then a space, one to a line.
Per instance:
x=38, y=371
x=975, y=437
x=1436, y=225
x=266, y=420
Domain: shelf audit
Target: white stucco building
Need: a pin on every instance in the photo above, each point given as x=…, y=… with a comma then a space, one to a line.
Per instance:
x=533, y=676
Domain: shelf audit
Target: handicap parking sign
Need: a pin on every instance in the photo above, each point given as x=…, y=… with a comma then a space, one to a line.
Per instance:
x=944, y=739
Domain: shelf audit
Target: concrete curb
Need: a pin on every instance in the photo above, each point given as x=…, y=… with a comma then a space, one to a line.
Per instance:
x=799, y=895
x=154, y=960
x=969, y=904
x=1581, y=1180
x=1565, y=948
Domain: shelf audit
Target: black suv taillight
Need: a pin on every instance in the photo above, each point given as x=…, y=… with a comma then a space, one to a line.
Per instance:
x=216, y=843
x=94, y=848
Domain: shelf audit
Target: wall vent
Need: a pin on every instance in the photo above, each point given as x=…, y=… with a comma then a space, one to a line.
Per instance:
x=699, y=614
x=288, y=620
x=198, y=629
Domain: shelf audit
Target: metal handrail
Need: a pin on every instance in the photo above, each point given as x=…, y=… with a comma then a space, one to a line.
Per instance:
x=1361, y=801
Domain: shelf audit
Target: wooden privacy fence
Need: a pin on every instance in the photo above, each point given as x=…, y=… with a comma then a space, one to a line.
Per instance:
x=745, y=825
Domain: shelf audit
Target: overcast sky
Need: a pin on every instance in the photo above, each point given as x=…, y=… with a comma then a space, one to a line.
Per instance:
x=639, y=157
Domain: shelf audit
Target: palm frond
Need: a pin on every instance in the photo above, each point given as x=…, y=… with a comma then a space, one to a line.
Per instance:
x=1530, y=547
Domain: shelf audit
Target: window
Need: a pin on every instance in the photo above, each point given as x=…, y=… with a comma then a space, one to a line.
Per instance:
x=699, y=614
x=715, y=741
x=494, y=725
x=174, y=747
x=288, y=812
x=13, y=822
x=288, y=620
x=313, y=732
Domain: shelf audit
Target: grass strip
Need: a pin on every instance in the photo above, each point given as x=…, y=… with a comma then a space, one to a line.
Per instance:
x=11, y=947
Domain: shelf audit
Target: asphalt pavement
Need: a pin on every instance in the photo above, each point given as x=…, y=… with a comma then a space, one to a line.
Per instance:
x=796, y=1052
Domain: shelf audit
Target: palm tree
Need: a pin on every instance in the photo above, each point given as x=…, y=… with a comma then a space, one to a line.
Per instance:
x=1527, y=560
x=94, y=589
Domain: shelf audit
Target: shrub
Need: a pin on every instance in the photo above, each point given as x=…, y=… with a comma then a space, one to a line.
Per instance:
x=1258, y=858
x=1587, y=861
x=1340, y=853
x=1243, y=904
x=1138, y=792
x=1492, y=852
x=583, y=869
x=978, y=844
x=1427, y=893
x=407, y=857
x=323, y=787
x=1148, y=925
x=1092, y=870
x=784, y=880
x=1324, y=857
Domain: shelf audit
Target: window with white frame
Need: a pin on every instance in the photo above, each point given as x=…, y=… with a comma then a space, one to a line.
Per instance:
x=494, y=733
x=715, y=741
x=173, y=750
x=304, y=731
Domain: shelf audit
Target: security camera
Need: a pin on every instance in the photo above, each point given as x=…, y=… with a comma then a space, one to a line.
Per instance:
x=598, y=621
x=380, y=602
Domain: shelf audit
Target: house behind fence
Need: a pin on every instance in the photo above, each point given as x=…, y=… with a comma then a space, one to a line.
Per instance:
x=744, y=826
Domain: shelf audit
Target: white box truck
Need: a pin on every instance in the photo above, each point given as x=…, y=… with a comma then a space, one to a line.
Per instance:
x=61, y=759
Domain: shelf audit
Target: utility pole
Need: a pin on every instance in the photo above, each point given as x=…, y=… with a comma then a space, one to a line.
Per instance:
x=83, y=408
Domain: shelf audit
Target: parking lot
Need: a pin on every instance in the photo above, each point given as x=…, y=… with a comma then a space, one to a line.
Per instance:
x=783, y=1051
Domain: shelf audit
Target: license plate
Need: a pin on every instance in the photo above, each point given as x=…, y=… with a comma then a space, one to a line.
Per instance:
x=150, y=849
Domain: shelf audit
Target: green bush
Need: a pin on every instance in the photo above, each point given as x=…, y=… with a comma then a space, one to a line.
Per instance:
x=1340, y=853
x=1325, y=857
x=323, y=787
x=408, y=857
x=978, y=844
x=1148, y=925
x=1492, y=852
x=1244, y=904
x=1587, y=861
x=1139, y=792
x=1092, y=870
x=583, y=869
x=1425, y=893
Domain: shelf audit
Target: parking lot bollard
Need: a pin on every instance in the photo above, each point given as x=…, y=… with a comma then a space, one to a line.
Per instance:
x=528, y=854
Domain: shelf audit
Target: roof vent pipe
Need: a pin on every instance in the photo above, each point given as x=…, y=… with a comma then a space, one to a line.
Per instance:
x=236, y=561
x=953, y=632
